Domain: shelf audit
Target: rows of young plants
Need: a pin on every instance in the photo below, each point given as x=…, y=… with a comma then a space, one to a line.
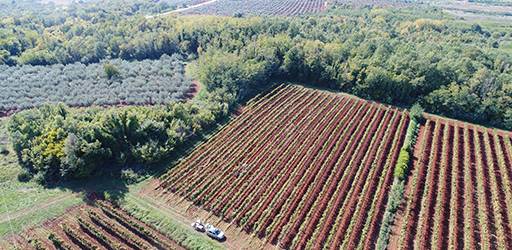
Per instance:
x=261, y=158
x=459, y=190
x=277, y=159
x=371, y=3
x=218, y=145
x=250, y=148
x=299, y=168
x=310, y=227
x=226, y=142
x=260, y=8
x=102, y=226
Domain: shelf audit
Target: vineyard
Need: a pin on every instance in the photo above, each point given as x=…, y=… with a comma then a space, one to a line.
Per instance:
x=372, y=3
x=299, y=168
x=92, y=227
x=260, y=7
x=131, y=83
x=459, y=193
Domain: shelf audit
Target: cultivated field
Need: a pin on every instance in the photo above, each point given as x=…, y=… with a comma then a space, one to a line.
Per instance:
x=133, y=83
x=459, y=193
x=299, y=168
x=260, y=7
x=371, y=3
x=92, y=227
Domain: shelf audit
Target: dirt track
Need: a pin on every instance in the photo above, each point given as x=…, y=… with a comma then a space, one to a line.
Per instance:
x=183, y=9
x=184, y=212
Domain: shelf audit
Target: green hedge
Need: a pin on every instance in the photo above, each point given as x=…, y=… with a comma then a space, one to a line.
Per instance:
x=404, y=159
x=402, y=166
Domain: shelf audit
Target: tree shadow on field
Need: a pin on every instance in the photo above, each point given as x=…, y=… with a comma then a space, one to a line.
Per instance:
x=184, y=150
x=109, y=185
x=114, y=184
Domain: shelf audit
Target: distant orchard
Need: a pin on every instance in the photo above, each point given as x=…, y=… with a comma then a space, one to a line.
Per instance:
x=110, y=82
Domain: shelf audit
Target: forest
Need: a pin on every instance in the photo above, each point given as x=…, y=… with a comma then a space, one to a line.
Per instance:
x=375, y=54
x=404, y=57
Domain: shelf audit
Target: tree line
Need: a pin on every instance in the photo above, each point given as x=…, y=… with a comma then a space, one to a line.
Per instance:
x=397, y=57
x=451, y=68
x=55, y=143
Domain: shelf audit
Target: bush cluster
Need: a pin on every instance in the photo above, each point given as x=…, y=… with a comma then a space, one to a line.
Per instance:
x=3, y=150
x=55, y=143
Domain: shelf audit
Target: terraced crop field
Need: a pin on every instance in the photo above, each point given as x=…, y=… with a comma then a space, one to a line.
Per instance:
x=459, y=193
x=91, y=227
x=298, y=168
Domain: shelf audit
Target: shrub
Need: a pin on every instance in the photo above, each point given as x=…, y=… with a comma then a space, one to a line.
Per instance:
x=395, y=199
x=129, y=176
x=416, y=112
x=36, y=244
x=410, y=136
x=110, y=70
x=4, y=150
x=40, y=178
x=24, y=176
x=402, y=164
x=56, y=241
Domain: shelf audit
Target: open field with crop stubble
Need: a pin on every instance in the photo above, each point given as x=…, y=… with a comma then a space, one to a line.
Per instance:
x=298, y=168
x=260, y=7
x=459, y=193
x=92, y=227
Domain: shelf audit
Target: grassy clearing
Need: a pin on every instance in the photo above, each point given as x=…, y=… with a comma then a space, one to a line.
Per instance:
x=506, y=47
x=36, y=217
x=25, y=204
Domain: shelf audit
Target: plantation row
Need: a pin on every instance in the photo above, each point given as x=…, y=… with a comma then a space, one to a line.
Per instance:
x=260, y=7
x=88, y=227
x=460, y=190
x=300, y=168
x=114, y=82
